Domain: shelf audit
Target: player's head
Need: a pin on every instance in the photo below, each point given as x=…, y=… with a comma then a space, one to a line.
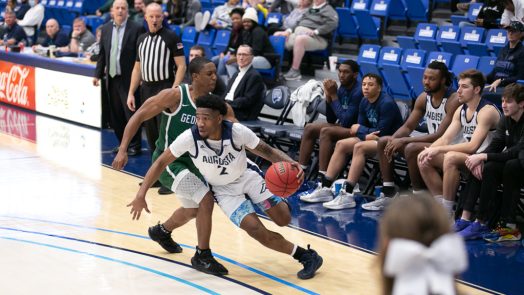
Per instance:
x=471, y=83
x=436, y=76
x=419, y=219
x=203, y=74
x=348, y=72
x=210, y=112
x=513, y=100
x=371, y=86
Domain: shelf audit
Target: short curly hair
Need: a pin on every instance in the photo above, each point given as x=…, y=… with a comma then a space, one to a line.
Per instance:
x=211, y=101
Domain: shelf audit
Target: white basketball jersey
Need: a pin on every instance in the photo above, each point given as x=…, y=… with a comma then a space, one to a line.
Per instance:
x=223, y=161
x=434, y=115
x=469, y=126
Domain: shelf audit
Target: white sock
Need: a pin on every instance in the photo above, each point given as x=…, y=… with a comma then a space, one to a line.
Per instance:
x=448, y=204
x=304, y=167
x=418, y=192
x=388, y=183
x=439, y=198
x=322, y=172
x=294, y=249
x=511, y=225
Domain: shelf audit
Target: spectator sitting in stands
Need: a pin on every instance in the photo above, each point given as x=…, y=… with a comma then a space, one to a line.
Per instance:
x=21, y=9
x=283, y=6
x=220, y=19
x=256, y=37
x=32, y=20
x=81, y=38
x=489, y=15
x=256, y=4
x=137, y=13
x=341, y=114
x=199, y=51
x=417, y=252
x=10, y=6
x=245, y=90
x=313, y=32
x=498, y=164
x=291, y=20
x=509, y=66
x=12, y=33
x=235, y=40
x=54, y=36
x=378, y=116
x=514, y=11
x=470, y=132
x=188, y=17
x=436, y=105
x=93, y=51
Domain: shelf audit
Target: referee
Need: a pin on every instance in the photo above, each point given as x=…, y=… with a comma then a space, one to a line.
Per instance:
x=158, y=52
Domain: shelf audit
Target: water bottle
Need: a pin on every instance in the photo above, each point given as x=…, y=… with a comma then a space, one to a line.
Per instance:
x=81, y=50
x=325, y=67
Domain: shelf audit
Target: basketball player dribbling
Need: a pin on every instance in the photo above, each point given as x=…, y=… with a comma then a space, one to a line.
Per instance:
x=217, y=148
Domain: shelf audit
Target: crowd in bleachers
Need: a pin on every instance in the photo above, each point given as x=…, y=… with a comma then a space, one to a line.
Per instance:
x=399, y=106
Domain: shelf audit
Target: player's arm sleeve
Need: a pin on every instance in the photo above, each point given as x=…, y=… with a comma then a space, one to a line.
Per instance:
x=245, y=136
x=182, y=144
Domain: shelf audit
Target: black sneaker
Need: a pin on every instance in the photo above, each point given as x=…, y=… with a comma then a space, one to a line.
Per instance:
x=311, y=261
x=163, y=238
x=164, y=191
x=205, y=262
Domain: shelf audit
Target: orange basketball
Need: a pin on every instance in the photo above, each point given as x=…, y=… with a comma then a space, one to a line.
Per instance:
x=281, y=179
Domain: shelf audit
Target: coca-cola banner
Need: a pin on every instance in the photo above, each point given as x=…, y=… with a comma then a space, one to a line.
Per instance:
x=17, y=123
x=17, y=85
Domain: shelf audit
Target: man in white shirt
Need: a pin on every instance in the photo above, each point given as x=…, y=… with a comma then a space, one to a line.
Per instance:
x=245, y=90
x=32, y=20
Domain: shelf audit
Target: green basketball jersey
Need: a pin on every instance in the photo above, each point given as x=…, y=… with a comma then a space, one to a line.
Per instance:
x=171, y=126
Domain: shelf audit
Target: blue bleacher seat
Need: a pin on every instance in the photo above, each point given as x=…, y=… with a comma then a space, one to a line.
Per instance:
x=189, y=38
x=425, y=36
x=93, y=22
x=495, y=40
x=389, y=61
x=206, y=39
x=473, y=11
x=66, y=29
x=221, y=41
x=368, y=25
x=414, y=76
x=418, y=10
x=472, y=38
x=359, y=5
x=380, y=8
x=444, y=57
x=464, y=62
x=347, y=26
x=448, y=39
x=413, y=58
x=397, y=10
x=176, y=29
x=406, y=42
x=279, y=45
x=368, y=59
x=412, y=65
x=274, y=18
x=486, y=64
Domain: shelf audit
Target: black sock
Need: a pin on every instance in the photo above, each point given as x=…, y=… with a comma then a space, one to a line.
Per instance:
x=389, y=191
x=348, y=187
x=298, y=254
x=162, y=228
x=326, y=182
x=203, y=251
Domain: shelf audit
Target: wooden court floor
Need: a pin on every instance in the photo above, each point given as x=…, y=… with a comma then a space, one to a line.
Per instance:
x=65, y=229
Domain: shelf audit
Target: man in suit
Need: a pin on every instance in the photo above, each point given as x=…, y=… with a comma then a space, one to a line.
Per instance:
x=245, y=90
x=116, y=59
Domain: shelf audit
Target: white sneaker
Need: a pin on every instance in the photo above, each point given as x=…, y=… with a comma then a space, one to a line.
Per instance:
x=342, y=201
x=379, y=204
x=320, y=194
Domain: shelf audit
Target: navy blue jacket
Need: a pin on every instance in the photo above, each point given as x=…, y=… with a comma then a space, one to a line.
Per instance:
x=345, y=108
x=382, y=115
x=60, y=40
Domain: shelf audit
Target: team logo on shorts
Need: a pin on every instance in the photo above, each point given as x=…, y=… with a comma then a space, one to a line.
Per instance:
x=276, y=95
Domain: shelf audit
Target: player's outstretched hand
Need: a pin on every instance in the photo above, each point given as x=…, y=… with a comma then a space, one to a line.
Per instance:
x=120, y=160
x=137, y=206
x=300, y=175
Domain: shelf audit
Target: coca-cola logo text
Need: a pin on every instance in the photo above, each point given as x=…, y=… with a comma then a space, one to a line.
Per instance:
x=12, y=86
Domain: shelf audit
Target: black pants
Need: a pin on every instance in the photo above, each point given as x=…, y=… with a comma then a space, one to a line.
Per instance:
x=509, y=174
x=147, y=90
x=119, y=113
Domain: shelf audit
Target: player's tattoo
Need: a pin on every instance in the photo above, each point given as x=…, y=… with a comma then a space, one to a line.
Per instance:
x=271, y=154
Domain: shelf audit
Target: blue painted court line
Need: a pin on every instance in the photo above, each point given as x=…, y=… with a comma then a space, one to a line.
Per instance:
x=117, y=261
x=259, y=272
x=135, y=252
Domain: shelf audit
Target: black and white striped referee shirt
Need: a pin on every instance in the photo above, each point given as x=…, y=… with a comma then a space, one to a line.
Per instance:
x=156, y=52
